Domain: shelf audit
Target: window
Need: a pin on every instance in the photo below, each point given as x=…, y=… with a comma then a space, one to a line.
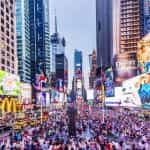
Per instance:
x=3, y=61
x=8, y=63
x=12, y=51
x=7, y=10
x=2, y=20
x=2, y=4
x=12, y=58
x=2, y=28
x=7, y=18
x=3, y=68
x=2, y=12
x=12, y=22
x=8, y=48
x=8, y=41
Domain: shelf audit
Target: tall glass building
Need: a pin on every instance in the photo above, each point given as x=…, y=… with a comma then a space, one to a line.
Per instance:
x=23, y=40
x=104, y=32
x=39, y=36
x=77, y=60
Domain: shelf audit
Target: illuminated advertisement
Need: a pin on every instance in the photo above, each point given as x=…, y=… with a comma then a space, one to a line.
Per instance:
x=109, y=88
x=79, y=84
x=26, y=92
x=60, y=85
x=41, y=98
x=78, y=73
x=143, y=56
x=10, y=104
x=140, y=85
x=9, y=84
x=109, y=83
x=125, y=67
x=146, y=24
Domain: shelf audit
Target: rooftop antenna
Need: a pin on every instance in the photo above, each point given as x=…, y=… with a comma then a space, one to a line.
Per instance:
x=56, y=31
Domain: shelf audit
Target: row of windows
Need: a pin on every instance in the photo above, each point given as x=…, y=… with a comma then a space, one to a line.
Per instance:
x=4, y=62
x=7, y=69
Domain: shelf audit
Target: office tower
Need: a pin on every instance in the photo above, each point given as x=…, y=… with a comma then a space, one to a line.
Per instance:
x=66, y=71
x=61, y=75
x=8, y=53
x=39, y=36
x=116, y=26
x=104, y=32
x=93, y=66
x=78, y=62
x=23, y=40
x=129, y=26
x=57, y=46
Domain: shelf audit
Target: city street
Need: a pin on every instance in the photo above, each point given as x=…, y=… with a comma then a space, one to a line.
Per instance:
x=75, y=75
x=121, y=128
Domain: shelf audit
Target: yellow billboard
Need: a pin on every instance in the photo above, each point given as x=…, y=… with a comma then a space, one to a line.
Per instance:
x=10, y=104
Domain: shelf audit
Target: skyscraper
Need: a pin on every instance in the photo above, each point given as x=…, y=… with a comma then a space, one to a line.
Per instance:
x=39, y=36
x=104, y=32
x=130, y=34
x=23, y=40
x=116, y=26
x=78, y=61
x=8, y=53
x=57, y=47
x=93, y=66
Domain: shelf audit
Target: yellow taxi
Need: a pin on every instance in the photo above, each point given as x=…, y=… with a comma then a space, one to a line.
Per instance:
x=20, y=123
x=33, y=123
x=17, y=127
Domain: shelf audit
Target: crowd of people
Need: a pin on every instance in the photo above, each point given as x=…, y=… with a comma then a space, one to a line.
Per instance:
x=121, y=130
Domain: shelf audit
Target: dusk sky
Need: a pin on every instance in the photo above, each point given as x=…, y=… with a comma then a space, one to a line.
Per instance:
x=76, y=22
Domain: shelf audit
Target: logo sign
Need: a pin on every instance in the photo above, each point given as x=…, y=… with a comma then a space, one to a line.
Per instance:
x=10, y=104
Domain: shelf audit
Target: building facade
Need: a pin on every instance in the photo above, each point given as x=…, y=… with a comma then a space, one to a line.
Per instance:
x=116, y=26
x=57, y=47
x=93, y=67
x=8, y=52
x=104, y=32
x=23, y=40
x=39, y=36
x=130, y=34
x=145, y=17
x=78, y=61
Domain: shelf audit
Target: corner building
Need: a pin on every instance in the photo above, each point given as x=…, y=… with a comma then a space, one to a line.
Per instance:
x=8, y=53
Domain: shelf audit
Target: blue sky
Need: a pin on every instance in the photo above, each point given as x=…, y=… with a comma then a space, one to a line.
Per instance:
x=76, y=22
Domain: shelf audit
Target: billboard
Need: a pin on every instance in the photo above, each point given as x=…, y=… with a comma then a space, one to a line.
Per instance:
x=79, y=84
x=146, y=24
x=109, y=82
x=26, y=93
x=140, y=85
x=9, y=84
x=90, y=94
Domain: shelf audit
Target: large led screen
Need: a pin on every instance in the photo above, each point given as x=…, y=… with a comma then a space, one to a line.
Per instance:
x=141, y=85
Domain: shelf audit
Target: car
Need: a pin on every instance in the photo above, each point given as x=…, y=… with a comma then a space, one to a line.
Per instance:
x=17, y=127
x=21, y=123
